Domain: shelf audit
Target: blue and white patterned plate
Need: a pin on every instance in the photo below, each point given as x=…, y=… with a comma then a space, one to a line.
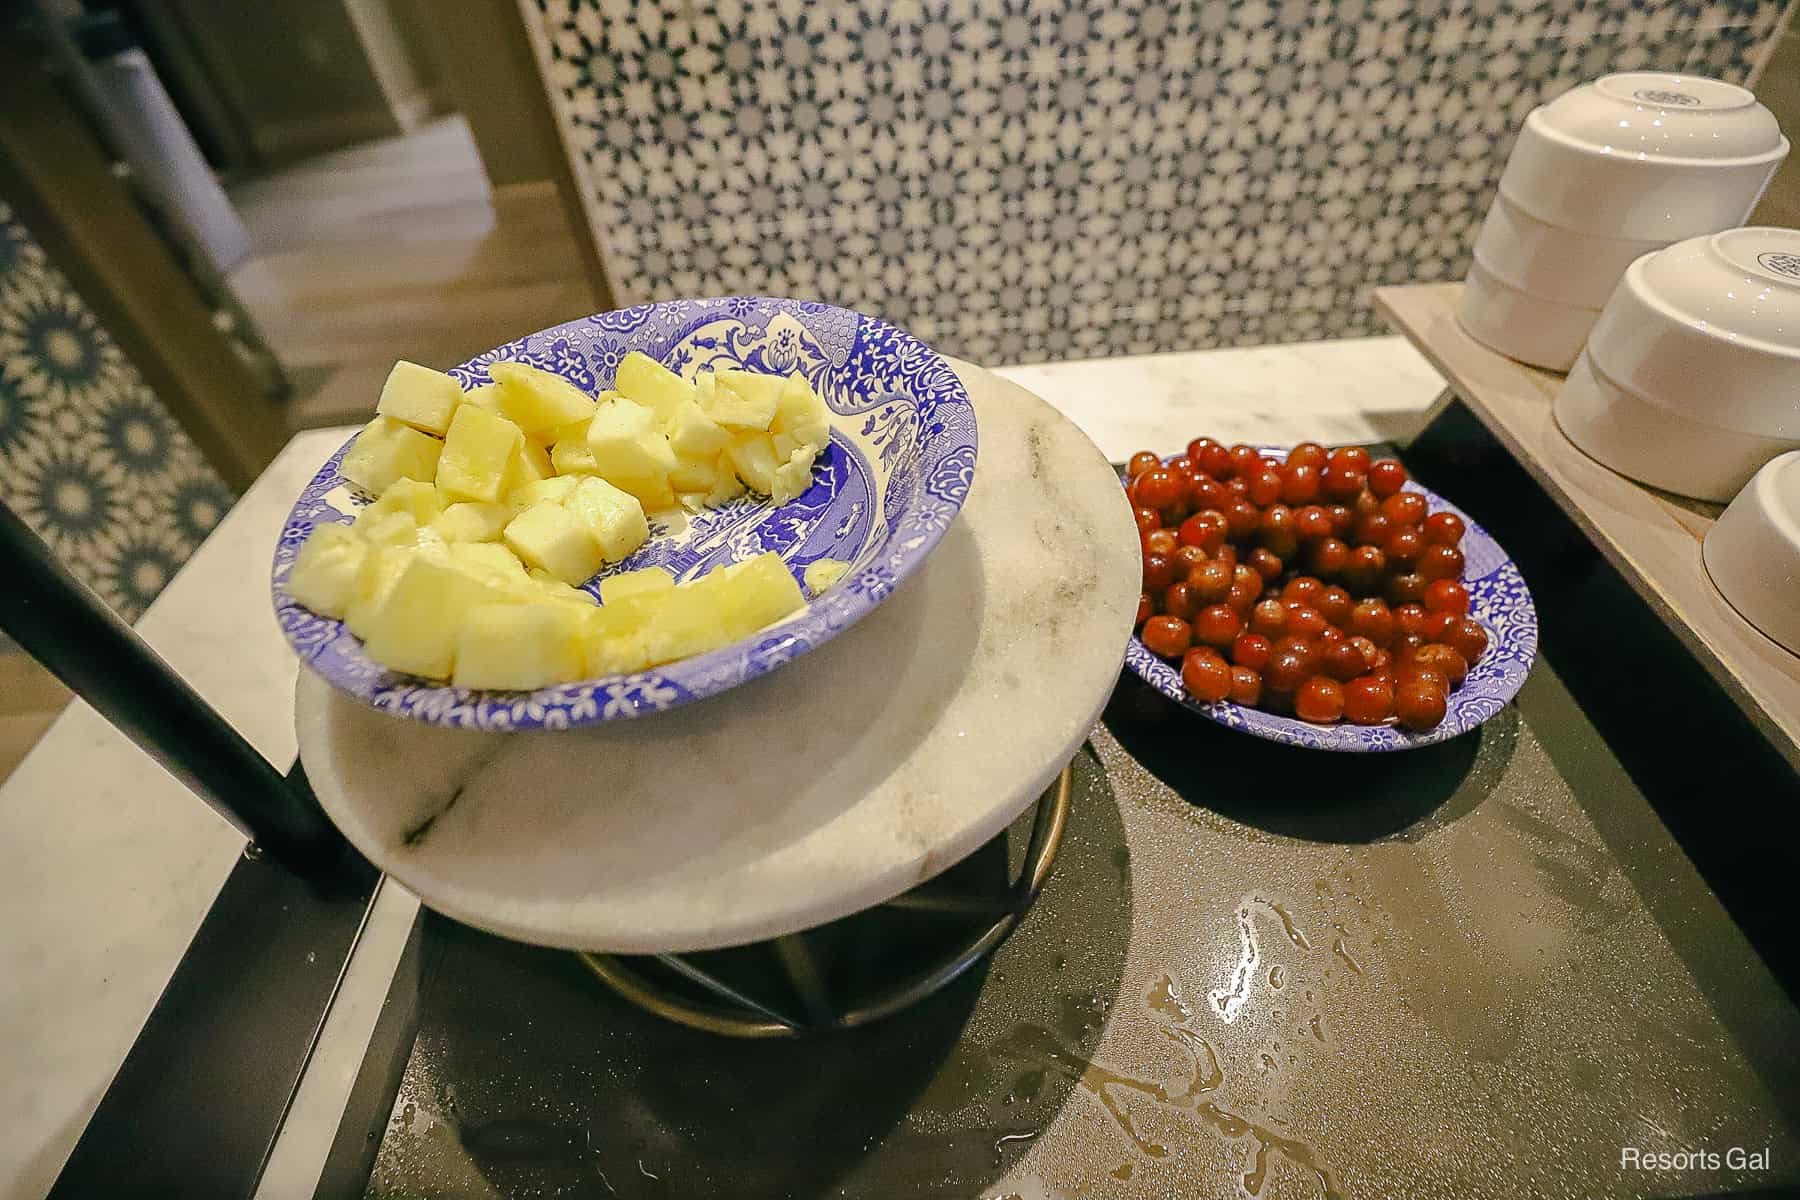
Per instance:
x=901, y=460
x=1498, y=599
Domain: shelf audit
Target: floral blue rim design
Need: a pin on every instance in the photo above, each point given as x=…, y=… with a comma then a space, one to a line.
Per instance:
x=883, y=495
x=1498, y=599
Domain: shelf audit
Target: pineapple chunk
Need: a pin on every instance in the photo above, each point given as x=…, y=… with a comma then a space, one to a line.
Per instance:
x=821, y=573
x=484, y=396
x=800, y=413
x=477, y=452
x=695, y=474
x=784, y=445
x=538, y=401
x=646, y=581
x=324, y=574
x=693, y=434
x=793, y=477
x=489, y=561
x=646, y=382
x=380, y=570
x=419, y=396
x=613, y=518
x=571, y=456
x=403, y=495
x=756, y=593
x=556, y=489
x=686, y=621
x=744, y=401
x=725, y=491
x=387, y=450
x=576, y=431
x=754, y=385
x=752, y=456
x=624, y=441
x=616, y=637
x=414, y=629
x=546, y=586
x=550, y=537
x=654, y=494
x=530, y=463
x=390, y=529
x=471, y=521
x=519, y=645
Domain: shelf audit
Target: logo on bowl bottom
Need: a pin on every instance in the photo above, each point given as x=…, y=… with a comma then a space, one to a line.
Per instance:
x=1666, y=98
x=1780, y=262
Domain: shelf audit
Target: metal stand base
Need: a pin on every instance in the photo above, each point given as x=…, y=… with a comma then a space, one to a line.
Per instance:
x=860, y=968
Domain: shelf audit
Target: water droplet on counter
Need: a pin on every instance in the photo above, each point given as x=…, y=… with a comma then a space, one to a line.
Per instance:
x=1275, y=975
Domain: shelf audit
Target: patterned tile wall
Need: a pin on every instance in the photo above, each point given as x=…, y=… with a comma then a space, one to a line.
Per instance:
x=88, y=457
x=1020, y=180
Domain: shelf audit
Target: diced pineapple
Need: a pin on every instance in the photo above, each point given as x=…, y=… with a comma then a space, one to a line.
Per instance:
x=784, y=446
x=742, y=401
x=549, y=536
x=686, y=621
x=519, y=645
x=414, y=628
x=614, y=518
x=758, y=592
x=644, y=381
x=432, y=544
x=615, y=640
x=419, y=396
x=489, y=561
x=801, y=413
x=728, y=488
x=538, y=401
x=576, y=430
x=693, y=434
x=752, y=456
x=472, y=521
x=571, y=456
x=529, y=463
x=705, y=382
x=557, y=488
x=380, y=569
x=821, y=573
x=477, y=451
x=646, y=581
x=547, y=586
x=387, y=450
x=654, y=494
x=484, y=396
x=625, y=442
x=390, y=529
x=325, y=571
x=420, y=500
x=793, y=477
x=695, y=474
x=755, y=386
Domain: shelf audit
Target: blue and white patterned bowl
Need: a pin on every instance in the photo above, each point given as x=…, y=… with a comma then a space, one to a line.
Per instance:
x=1498, y=599
x=901, y=460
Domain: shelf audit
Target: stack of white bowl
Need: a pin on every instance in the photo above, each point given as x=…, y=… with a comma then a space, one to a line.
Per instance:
x=1600, y=176
x=1690, y=381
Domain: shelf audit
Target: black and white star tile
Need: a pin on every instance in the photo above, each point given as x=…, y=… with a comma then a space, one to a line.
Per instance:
x=88, y=457
x=1037, y=179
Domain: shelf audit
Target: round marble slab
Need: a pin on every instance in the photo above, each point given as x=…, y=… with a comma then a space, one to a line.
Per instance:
x=837, y=782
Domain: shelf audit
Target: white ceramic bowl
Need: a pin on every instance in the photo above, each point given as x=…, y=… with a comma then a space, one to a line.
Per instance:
x=1657, y=445
x=1547, y=260
x=1710, y=328
x=1645, y=156
x=1532, y=329
x=1753, y=552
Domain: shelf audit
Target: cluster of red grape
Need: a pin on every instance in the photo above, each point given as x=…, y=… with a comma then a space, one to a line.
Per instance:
x=1316, y=586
